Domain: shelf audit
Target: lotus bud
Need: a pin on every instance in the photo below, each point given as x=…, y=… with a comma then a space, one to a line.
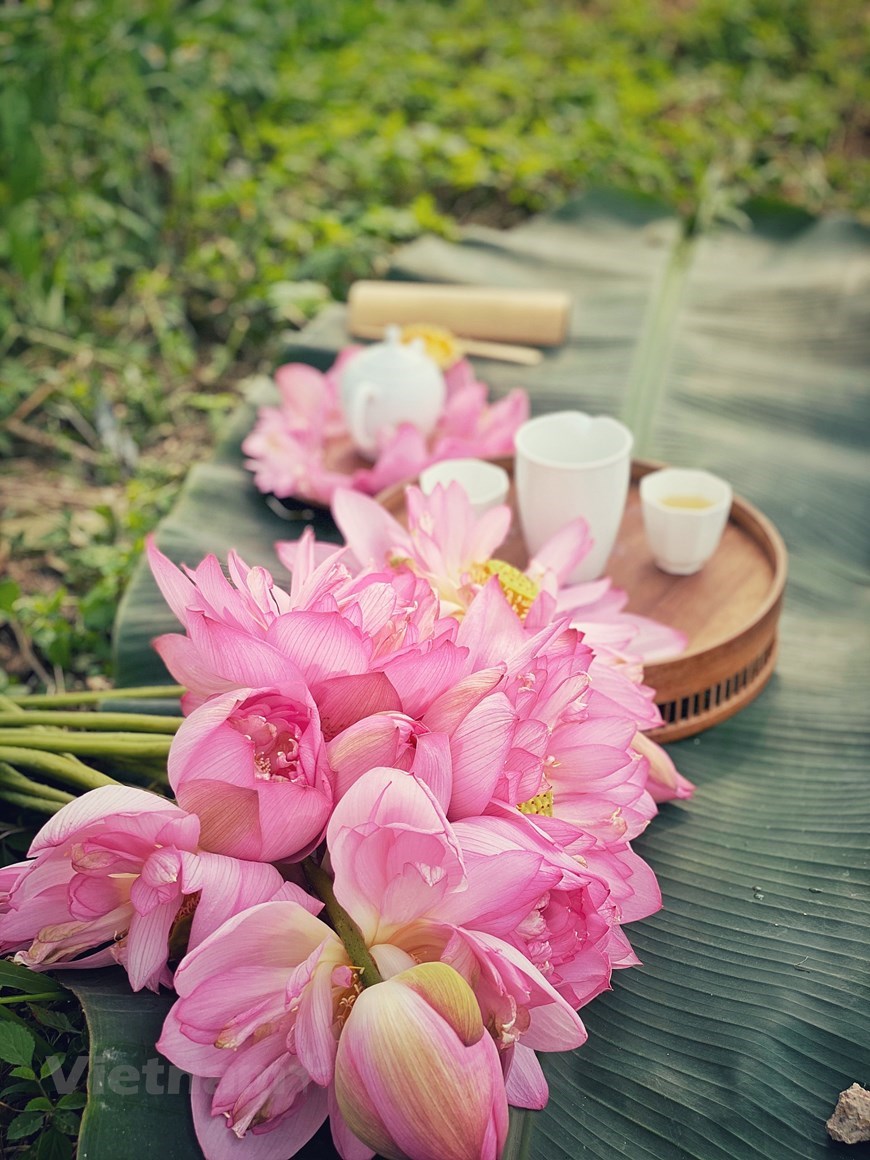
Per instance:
x=417, y=1077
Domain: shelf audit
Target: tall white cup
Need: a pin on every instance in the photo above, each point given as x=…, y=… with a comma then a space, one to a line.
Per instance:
x=571, y=464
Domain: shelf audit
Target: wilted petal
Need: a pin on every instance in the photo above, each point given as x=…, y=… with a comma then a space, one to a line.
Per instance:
x=664, y=781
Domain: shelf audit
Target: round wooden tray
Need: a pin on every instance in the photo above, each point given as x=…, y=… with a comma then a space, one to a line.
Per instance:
x=729, y=610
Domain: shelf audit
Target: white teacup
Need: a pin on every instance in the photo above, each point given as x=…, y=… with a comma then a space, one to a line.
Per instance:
x=571, y=464
x=389, y=383
x=486, y=484
x=684, y=515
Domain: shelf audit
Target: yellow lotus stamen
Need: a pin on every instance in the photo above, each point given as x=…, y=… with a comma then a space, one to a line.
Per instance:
x=440, y=345
x=348, y=997
x=542, y=804
x=519, y=590
x=397, y=561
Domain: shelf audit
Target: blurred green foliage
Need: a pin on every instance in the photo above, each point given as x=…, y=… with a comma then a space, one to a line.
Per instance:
x=43, y=1047
x=183, y=180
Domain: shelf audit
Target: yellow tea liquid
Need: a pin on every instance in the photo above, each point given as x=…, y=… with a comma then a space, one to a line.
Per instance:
x=691, y=502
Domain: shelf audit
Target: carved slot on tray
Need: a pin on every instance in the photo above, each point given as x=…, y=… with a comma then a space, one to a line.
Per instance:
x=685, y=708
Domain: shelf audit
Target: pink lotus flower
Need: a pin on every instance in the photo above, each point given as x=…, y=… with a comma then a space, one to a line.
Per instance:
x=332, y=631
x=572, y=934
x=444, y=543
x=251, y=765
x=112, y=874
x=569, y=751
x=264, y=1001
x=417, y=1075
x=258, y=1010
x=287, y=448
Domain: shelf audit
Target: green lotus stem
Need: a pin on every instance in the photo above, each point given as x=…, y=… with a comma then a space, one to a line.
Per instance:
x=98, y=722
x=67, y=770
x=91, y=697
x=11, y=779
x=31, y=998
x=135, y=771
x=9, y=706
x=87, y=744
x=345, y=927
x=26, y=801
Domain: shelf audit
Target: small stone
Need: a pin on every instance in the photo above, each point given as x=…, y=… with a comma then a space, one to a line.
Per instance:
x=850, y=1123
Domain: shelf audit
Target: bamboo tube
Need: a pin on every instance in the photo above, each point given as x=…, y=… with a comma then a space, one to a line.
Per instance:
x=536, y=317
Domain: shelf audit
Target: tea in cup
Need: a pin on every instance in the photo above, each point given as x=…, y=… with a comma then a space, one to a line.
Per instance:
x=684, y=515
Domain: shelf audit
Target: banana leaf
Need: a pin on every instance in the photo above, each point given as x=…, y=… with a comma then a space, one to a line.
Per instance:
x=745, y=352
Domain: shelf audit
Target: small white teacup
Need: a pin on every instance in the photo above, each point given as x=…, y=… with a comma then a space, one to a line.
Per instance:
x=684, y=515
x=571, y=464
x=486, y=484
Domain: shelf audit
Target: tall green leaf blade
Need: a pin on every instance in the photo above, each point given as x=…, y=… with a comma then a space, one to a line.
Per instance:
x=138, y=1105
x=750, y=1012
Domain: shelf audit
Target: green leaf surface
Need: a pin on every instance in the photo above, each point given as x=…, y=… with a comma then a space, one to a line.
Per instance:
x=19, y=978
x=38, y=1104
x=22, y=1072
x=24, y=1125
x=745, y=353
x=16, y=1044
x=53, y=1145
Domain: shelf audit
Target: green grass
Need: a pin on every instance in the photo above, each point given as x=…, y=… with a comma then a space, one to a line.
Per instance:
x=181, y=183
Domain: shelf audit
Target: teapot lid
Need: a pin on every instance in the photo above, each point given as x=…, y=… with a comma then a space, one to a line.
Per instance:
x=393, y=357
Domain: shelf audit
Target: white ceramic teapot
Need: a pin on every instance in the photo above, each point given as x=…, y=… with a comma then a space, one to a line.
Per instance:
x=389, y=383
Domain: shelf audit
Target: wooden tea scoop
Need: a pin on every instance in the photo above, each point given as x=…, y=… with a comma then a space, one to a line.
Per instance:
x=501, y=351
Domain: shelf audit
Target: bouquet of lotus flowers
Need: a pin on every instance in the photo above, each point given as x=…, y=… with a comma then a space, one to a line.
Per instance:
x=397, y=860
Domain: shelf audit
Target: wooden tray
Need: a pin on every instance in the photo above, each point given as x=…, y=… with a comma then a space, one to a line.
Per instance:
x=729, y=610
